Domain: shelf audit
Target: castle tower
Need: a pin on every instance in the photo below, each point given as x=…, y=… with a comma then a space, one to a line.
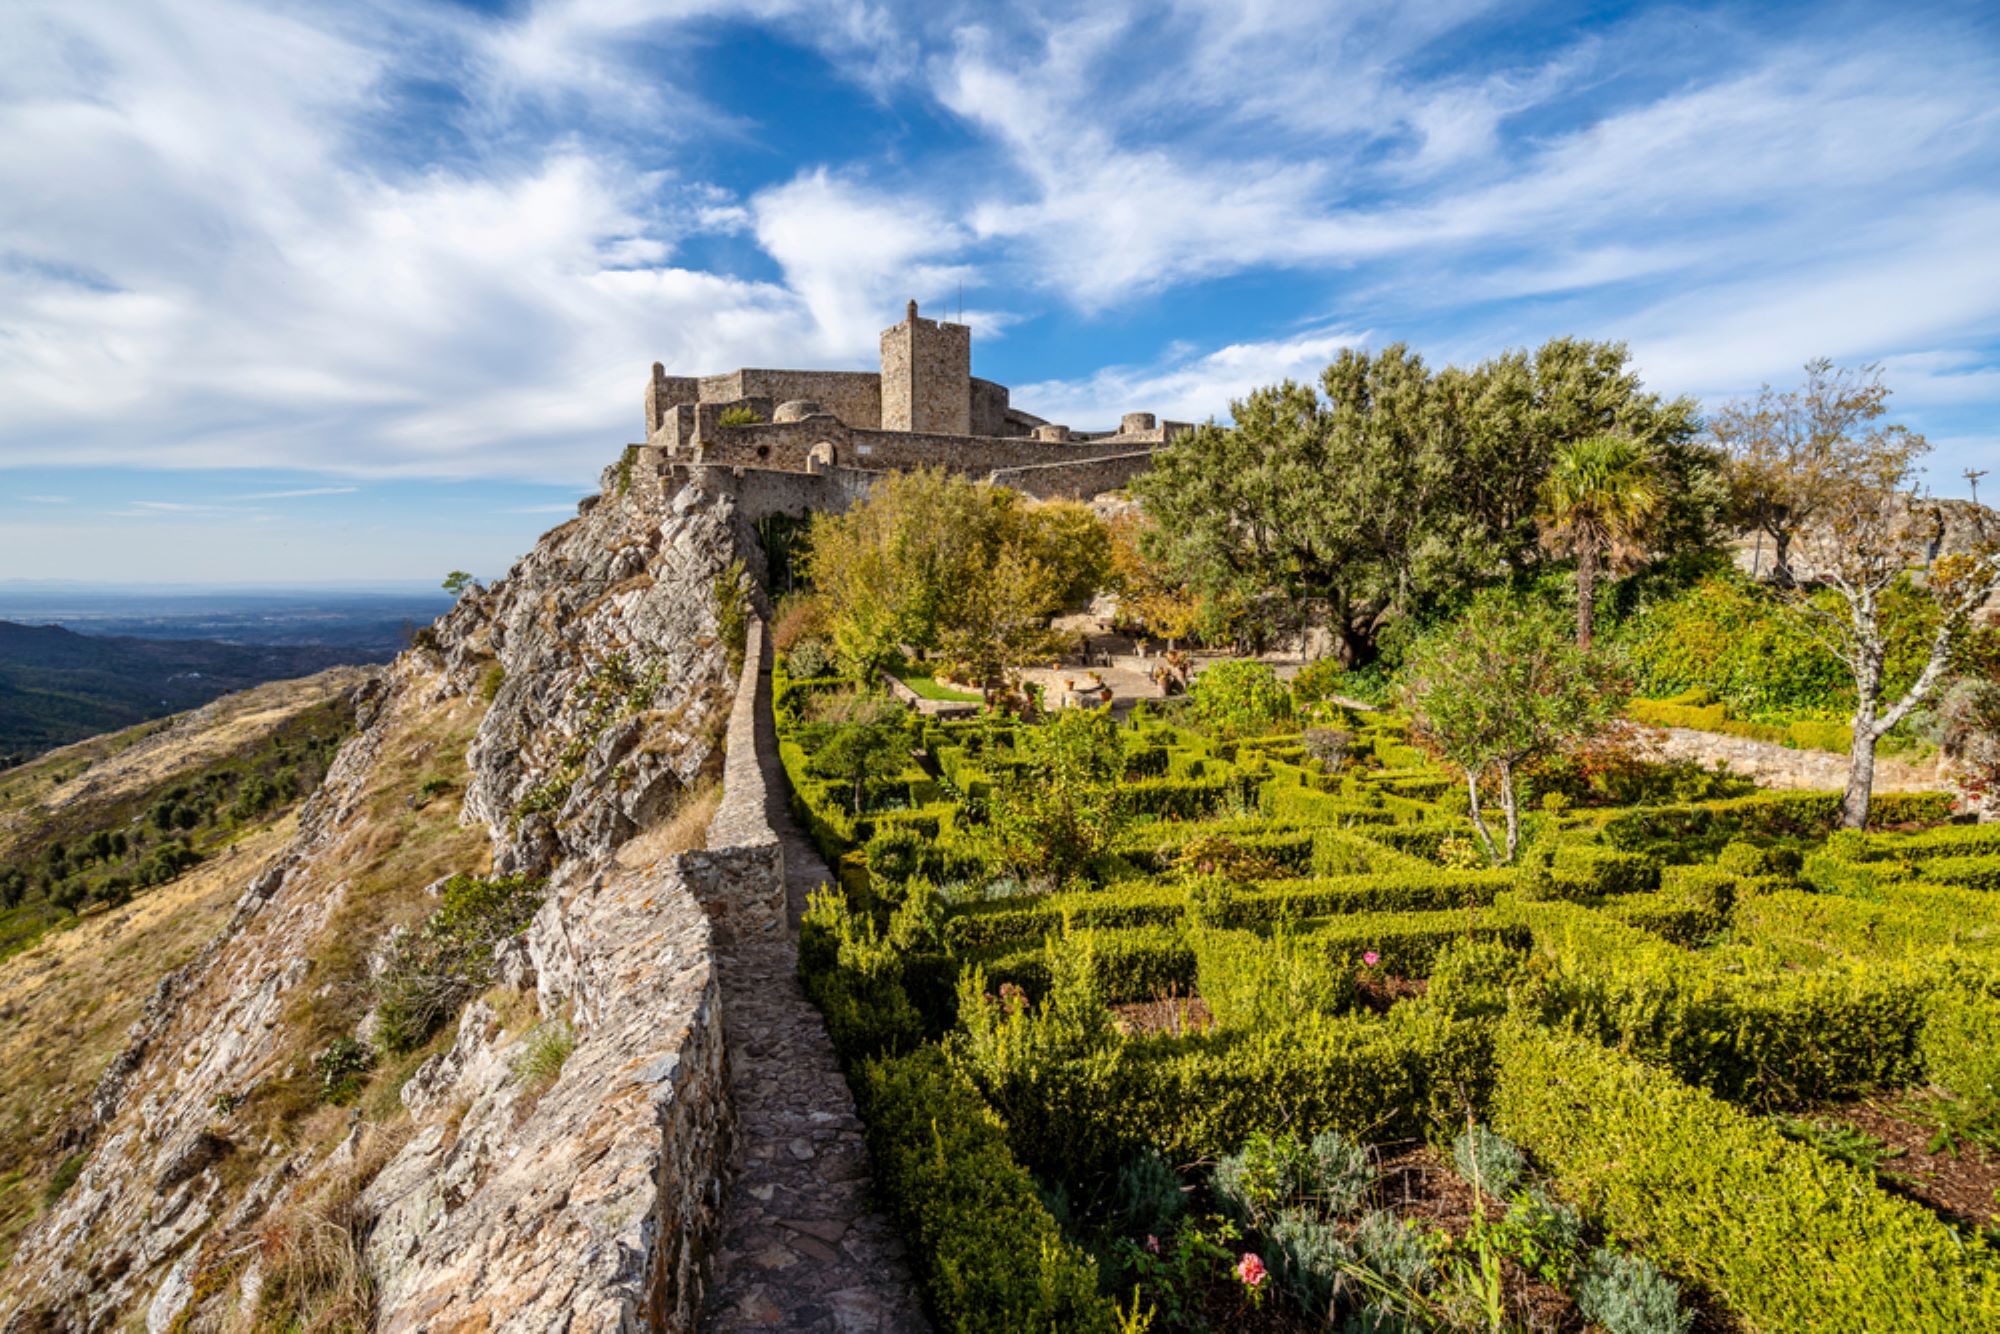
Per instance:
x=927, y=376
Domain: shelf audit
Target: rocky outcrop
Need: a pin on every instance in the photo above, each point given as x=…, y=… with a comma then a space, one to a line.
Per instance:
x=587, y=1205
x=607, y=677
x=555, y=1164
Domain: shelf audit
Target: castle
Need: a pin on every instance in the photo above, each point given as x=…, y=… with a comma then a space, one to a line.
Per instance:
x=791, y=441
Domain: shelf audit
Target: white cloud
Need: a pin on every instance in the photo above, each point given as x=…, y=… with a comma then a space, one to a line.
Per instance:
x=1185, y=385
x=301, y=491
x=851, y=253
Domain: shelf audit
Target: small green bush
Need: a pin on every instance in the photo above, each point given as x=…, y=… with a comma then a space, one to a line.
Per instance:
x=435, y=969
x=1237, y=698
x=1629, y=1295
x=740, y=416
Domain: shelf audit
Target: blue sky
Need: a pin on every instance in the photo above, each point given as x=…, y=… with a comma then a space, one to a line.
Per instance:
x=368, y=291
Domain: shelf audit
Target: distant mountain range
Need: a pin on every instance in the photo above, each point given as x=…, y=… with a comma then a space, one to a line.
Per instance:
x=57, y=686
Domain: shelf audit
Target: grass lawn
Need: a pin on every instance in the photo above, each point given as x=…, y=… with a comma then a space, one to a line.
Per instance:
x=918, y=677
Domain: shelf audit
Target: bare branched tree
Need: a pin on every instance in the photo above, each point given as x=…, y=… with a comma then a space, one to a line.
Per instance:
x=1872, y=527
x=1784, y=451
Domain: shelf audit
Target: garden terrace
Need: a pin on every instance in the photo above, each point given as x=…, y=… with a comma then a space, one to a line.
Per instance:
x=1639, y=1011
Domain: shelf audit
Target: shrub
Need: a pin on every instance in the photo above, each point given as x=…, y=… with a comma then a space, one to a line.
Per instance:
x=1311, y=1260
x=342, y=1068
x=1318, y=681
x=1149, y=1194
x=1789, y=1239
x=989, y=1255
x=1471, y=978
x=1237, y=697
x=435, y=969
x=1629, y=1295
x=1488, y=1161
x=1982, y=873
x=1058, y=812
x=1961, y=1049
x=740, y=416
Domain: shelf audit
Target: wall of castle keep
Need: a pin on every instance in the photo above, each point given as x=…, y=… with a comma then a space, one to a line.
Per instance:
x=1079, y=480
x=927, y=376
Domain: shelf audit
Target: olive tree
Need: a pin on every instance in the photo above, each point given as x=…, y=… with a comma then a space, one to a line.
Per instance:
x=1500, y=688
x=1872, y=532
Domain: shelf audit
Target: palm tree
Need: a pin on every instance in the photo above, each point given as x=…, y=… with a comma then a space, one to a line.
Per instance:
x=1597, y=502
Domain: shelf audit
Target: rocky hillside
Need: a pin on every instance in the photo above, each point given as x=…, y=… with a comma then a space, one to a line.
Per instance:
x=324, y=1116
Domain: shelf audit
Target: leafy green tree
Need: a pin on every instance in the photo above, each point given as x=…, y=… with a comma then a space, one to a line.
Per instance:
x=1499, y=688
x=1387, y=495
x=1058, y=811
x=457, y=582
x=1598, y=503
x=854, y=752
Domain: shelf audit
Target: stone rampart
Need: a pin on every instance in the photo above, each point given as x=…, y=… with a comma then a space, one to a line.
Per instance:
x=740, y=879
x=1074, y=480
x=595, y=1205
x=790, y=446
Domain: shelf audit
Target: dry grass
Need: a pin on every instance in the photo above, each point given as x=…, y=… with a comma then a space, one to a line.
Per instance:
x=684, y=829
x=315, y=1278
x=386, y=858
x=65, y=1005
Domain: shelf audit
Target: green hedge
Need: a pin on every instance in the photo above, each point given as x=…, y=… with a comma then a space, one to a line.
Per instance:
x=1373, y=1079
x=1952, y=840
x=1789, y=1239
x=1404, y=1075
x=1692, y=827
x=1767, y=1039
x=1607, y=870
x=1961, y=1047
x=988, y=1253
x=1981, y=873
x=1131, y=964
x=1425, y=890
x=1030, y=917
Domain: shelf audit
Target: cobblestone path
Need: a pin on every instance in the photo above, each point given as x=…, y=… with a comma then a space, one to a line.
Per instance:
x=802, y=1246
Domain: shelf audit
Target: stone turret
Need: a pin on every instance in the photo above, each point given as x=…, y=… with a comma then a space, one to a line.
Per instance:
x=927, y=376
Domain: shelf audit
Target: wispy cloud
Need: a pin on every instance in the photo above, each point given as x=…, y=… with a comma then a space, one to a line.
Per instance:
x=424, y=240
x=301, y=492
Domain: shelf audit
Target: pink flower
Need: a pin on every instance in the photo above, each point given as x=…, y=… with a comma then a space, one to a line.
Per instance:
x=1152, y=1243
x=1371, y=958
x=1250, y=1270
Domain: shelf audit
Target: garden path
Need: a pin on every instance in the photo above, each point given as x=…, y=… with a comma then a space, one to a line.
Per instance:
x=803, y=1247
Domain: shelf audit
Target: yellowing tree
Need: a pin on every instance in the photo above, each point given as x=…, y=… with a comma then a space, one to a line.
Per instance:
x=942, y=564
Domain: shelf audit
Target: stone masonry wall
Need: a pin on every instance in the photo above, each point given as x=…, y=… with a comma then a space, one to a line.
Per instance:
x=1075, y=481
x=927, y=376
x=595, y=1205
x=788, y=445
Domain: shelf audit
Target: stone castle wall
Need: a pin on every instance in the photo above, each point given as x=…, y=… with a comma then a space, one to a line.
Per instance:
x=927, y=377
x=790, y=446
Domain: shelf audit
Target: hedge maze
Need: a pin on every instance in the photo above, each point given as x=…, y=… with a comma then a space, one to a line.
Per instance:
x=1188, y=1081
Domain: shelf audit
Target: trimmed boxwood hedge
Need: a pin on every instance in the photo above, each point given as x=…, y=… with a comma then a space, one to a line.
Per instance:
x=1790, y=1240
x=988, y=1253
x=1767, y=1039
